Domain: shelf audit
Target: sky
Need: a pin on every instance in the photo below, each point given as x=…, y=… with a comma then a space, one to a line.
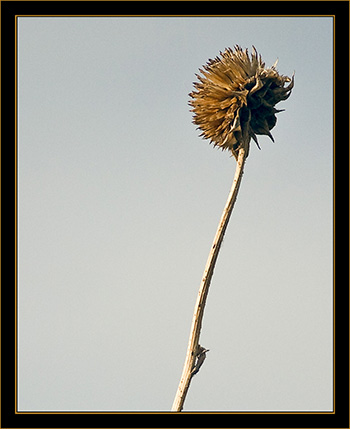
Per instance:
x=118, y=203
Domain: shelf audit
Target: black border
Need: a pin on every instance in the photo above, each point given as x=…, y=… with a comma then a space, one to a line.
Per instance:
x=339, y=419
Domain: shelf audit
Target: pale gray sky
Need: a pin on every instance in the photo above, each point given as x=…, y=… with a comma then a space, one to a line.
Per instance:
x=119, y=200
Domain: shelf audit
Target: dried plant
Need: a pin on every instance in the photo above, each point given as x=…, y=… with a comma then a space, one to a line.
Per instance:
x=235, y=98
x=233, y=102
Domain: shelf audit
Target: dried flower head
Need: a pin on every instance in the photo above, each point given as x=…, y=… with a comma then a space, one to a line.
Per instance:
x=235, y=97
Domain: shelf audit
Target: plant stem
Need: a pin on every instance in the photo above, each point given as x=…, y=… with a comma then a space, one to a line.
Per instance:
x=193, y=343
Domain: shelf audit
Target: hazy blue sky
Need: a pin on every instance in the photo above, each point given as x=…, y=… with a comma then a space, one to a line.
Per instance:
x=119, y=200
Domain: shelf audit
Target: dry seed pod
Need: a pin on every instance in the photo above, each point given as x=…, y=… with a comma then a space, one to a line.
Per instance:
x=234, y=98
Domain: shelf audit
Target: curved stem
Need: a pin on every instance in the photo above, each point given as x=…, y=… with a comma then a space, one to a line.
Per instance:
x=193, y=344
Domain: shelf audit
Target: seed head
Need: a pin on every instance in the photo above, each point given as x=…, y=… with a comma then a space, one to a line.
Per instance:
x=235, y=97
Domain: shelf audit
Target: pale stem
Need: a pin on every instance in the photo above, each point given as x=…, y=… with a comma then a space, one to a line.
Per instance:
x=204, y=287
